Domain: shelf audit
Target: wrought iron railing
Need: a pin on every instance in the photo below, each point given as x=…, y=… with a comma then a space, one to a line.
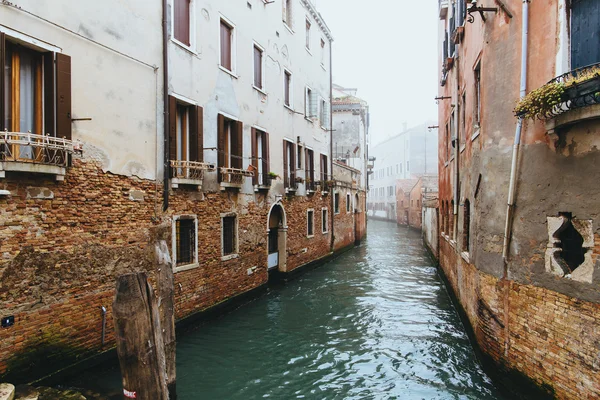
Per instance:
x=192, y=170
x=581, y=88
x=234, y=176
x=38, y=149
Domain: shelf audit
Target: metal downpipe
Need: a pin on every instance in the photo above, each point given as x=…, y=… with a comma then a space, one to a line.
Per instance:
x=517, y=143
x=166, y=107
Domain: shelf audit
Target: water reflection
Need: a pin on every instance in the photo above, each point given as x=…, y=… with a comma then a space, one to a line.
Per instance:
x=376, y=323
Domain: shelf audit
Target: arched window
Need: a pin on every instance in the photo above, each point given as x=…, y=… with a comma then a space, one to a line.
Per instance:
x=466, y=225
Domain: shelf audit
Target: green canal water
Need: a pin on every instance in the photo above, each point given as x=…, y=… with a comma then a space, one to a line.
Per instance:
x=376, y=323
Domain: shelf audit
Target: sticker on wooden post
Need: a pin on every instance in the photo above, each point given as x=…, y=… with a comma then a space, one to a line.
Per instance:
x=129, y=394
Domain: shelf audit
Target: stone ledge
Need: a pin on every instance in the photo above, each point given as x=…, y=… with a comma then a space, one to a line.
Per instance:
x=15, y=166
x=7, y=391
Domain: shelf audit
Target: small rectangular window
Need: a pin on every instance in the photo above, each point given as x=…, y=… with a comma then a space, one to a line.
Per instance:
x=310, y=221
x=258, y=67
x=477, y=95
x=299, y=152
x=324, y=222
x=229, y=236
x=347, y=202
x=308, y=25
x=336, y=203
x=226, y=46
x=322, y=52
x=287, y=88
x=287, y=13
x=185, y=241
x=181, y=11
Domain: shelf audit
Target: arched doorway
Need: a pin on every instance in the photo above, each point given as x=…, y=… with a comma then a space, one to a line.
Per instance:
x=277, y=236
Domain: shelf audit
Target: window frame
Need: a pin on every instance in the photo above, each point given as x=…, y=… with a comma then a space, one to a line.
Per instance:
x=310, y=216
x=288, y=79
x=195, y=264
x=233, y=46
x=262, y=67
x=192, y=28
x=235, y=254
x=308, y=35
x=336, y=203
x=325, y=221
x=309, y=95
x=287, y=14
x=348, y=200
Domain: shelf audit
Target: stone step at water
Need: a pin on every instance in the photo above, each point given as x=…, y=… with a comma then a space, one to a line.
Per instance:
x=7, y=391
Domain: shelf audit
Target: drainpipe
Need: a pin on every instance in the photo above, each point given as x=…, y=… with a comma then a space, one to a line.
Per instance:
x=456, y=147
x=331, y=139
x=166, y=107
x=517, y=143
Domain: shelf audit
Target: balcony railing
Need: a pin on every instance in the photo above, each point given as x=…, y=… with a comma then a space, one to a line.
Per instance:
x=189, y=172
x=233, y=177
x=36, y=149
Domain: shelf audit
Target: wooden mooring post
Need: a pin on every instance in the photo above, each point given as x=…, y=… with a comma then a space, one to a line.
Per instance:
x=145, y=332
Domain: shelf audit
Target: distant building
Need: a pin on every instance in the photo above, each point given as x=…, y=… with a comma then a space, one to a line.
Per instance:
x=403, y=189
x=407, y=155
x=411, y=194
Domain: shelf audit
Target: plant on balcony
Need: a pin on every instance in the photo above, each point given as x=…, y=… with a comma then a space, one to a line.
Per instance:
x=299, y=179
x=272, y=175
x=541, y=101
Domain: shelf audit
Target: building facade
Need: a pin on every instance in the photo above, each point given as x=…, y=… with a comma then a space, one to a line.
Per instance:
x=213, y=134
x=526, y=275
x=407, y=155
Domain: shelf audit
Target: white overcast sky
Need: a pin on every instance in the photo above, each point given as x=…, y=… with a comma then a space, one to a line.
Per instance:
x=388, y=50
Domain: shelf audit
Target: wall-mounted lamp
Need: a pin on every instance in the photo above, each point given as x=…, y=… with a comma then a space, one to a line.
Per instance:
x=475, y=8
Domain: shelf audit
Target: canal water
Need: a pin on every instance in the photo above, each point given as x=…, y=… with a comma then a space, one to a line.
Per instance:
x=376, y=323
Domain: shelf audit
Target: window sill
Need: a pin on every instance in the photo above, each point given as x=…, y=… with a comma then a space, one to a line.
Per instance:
x=289, y=107
x=463, y=147
x=476, y=134
x=229, y=257
x=465, y=256
x=259, y=90
x=323, y=66
x=186, y=267
x=312, y=121
x=16, y=166
x=288, y=28
x=228, y=72
x=175, y=182
x=446, y=164
x=226, y=185
x=325, y=233
x=308, y=50
x=310, y=236
x=185, y=47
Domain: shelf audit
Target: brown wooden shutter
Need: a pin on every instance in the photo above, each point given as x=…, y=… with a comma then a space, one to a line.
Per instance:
x=293, y=165
x=225, y=46
x=172, y=128
x=2, y=89
x=220, y=144
x=254, y=146
x=312, y=166
x=286, y=182
x=200, y=112
x=237, y=160
x=266, y=157
x=258, y=67
x=49, y=95
x=193, y=134
x=63, y=96
x=182, y=21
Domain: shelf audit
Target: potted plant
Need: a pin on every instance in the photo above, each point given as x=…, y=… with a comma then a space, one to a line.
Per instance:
x=299, y=179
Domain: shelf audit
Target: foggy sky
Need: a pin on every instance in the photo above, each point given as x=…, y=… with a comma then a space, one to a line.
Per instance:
x=388, y=50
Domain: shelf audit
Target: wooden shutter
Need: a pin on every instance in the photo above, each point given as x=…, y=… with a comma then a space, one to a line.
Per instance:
x=182, y=21
x=220, y=144
x=193, y=134
x=237, y=151
x=200, y=134
x=585, y=33
x=293, y=165
x=172, y=128
x=225, y=46
x=258, y=67
x=49, y=95
x=254, y=157
x=286, y=182
x=63, y=96
x=266, y=157
x=2, y=89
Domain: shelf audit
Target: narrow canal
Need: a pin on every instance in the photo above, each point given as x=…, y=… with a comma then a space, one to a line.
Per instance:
x=376, y=323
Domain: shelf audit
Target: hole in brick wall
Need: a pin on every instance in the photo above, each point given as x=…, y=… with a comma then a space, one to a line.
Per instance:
x=572, y=253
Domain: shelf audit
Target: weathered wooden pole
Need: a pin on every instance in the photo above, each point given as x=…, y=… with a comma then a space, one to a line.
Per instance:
x=139, y=339
x=166, y=300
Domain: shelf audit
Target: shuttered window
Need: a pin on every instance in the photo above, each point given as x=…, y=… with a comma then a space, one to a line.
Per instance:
x=309, y=163
x=289, y=163
x=229, y=143
x=186, y=141
x=287, y=87
x=258, y=67
x=226, y=46
x=181, y=16
x=260, y=156
x=35, y=90
x=585, y=33
x=324, y=168
x=310, y=221
x=324, y=222
x=229, y=234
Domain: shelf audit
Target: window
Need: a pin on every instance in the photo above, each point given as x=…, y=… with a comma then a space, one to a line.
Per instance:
x=309, y=164
x=287, y=13
x=347, y=202
x=185, y=132
x=322, y=52
x=463, y=118
x=324, y=118
x=324, y=168
x=287, y=88
x=324, y=222
x=310, y=106
x=336, y=203
x=308, y=25
x=227, y=46
x=477, y=96
x=229, y=143
x=585, y=30
x=229, y=235
x=299, y=156
x=466, y=225
x=258, y=67
x=181, y=21
x=260, y=156
x=310, y=222
x=35, y=94
x=185, y=232
x=289, y=163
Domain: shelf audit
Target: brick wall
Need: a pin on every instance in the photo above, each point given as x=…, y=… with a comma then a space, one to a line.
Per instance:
x=545, y=335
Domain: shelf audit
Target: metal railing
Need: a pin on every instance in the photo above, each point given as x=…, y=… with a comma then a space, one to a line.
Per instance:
x=234, y=176
x=38, y=149
x=581, y=88
x=192, y=170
